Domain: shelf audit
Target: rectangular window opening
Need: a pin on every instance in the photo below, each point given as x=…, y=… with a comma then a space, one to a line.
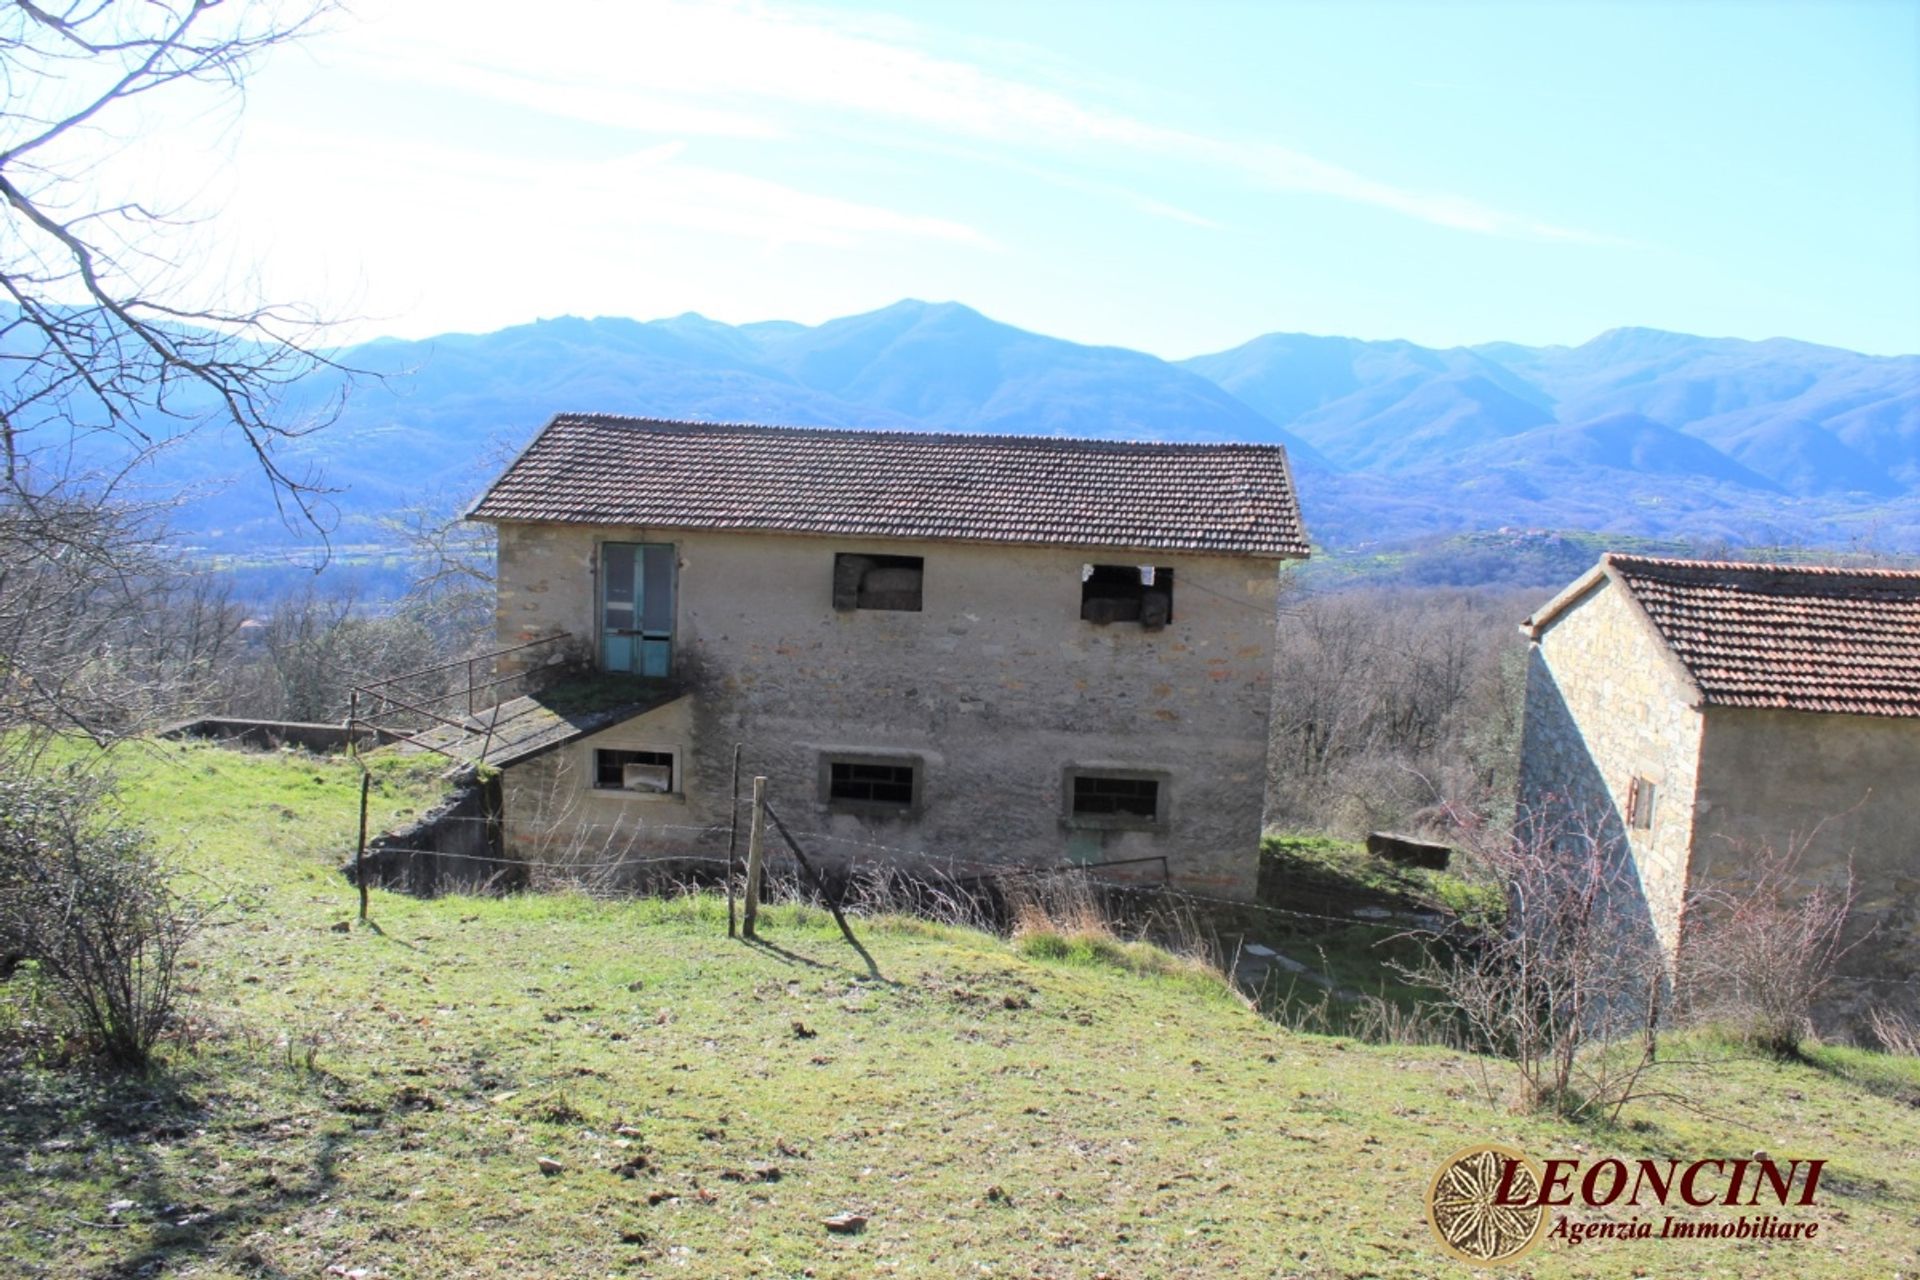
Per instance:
x=1126, y=593
x=877, y=783
x=647, y=772
x=888, y=784
x=887, y=583
x=1099, y=796
x=1640, y=798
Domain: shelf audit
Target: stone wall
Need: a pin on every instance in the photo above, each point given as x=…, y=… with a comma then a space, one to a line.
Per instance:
x=1605, y=705
x=997, y=687
x=268, y=735
x=453, y=848
x=1843, y=790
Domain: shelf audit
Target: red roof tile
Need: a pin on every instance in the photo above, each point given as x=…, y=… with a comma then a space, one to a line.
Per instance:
x=1786, y=636
x=1221, y=499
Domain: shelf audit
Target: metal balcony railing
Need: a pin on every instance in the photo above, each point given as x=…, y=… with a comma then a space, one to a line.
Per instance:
x=392, y=708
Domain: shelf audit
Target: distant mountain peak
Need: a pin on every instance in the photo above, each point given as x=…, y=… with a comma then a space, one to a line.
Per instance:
x=1639, y=430
x=1635, y=340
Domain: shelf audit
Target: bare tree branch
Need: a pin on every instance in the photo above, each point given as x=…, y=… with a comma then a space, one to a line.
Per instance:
x=114, y=348
x=109, y=335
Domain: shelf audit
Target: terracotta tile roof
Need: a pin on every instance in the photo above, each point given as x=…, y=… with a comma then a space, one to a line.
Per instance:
x=1227, y=499
x=1786, y=636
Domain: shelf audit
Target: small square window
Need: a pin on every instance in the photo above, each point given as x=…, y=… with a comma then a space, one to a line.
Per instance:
x=647, y=772
x=1116, y=798
x=887, y=583
x=884, y=783
x=1126, y=593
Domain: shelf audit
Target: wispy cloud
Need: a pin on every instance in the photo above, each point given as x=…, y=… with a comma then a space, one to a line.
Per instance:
x=658, y=186
x=755, y=71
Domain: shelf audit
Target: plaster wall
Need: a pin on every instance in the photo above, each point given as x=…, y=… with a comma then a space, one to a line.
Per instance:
x=996, y=687
x=1844, y=790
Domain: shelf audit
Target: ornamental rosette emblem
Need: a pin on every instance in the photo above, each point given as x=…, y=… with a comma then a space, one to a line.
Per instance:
x=1465, y=1209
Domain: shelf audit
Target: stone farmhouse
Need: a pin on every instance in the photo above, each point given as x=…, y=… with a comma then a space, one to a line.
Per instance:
x=1704, y=709
x=946, y=650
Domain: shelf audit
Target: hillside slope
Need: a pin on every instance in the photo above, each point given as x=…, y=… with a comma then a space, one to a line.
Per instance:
x=374, y=1102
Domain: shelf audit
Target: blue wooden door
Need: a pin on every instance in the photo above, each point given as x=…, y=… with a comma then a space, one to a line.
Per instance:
x=636, y=607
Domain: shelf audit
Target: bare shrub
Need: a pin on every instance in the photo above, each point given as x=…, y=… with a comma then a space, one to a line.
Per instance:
x=880, y=889
x=1762, y=943
x=90, y=903
x=1896, y=1032
x=1381, y=1021
x=1569, y=973
x=1063, y=905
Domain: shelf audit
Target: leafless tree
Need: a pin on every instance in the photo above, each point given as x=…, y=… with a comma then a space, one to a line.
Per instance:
x=1570, y=983
x=107, y=333
x=99, y=631
x=1762, y=943
x=1387, y=704
x=315, y=647
x=112, y=344
x=452, y=591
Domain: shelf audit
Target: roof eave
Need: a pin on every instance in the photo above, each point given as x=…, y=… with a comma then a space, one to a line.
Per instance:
x=594, y=722
x=1224, y=553
x=477, y=503
x=1545, y=616
x=1605, y=571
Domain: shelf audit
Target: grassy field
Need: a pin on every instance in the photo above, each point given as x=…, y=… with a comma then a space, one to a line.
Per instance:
x=1351, y=919
x=376, y=1101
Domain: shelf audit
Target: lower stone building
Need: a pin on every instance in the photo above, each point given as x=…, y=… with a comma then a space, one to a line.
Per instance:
x=1699, y=712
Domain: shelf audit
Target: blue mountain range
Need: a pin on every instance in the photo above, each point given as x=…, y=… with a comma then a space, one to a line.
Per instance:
x=1637, y=432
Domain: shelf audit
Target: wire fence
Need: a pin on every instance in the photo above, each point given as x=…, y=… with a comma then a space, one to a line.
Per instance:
x=979, y=887
x=902, y=859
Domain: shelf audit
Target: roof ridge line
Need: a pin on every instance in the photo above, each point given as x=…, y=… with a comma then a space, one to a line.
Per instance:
x=689, y=426
x=1623, y=559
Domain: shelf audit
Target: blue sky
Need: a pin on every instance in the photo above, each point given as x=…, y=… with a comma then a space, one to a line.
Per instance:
x=1172, y=177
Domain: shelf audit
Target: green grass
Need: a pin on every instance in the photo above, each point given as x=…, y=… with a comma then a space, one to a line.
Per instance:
x=1317, y=883
x=1297, y=865
x=375, y=1101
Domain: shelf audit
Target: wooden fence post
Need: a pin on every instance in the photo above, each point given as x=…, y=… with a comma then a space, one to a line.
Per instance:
x=360, y=855
x=756, y=838
x=733, y=840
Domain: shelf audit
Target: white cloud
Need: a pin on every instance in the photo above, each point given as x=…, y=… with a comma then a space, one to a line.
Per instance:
x=745, y=70
x=425, y=240
x=655, y=187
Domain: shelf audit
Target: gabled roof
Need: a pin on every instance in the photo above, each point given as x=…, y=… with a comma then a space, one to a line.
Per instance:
x=1793, y=637
x=1221, y=499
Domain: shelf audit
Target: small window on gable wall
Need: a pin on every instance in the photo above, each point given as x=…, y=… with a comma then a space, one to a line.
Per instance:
x=877, y=582
x=1126, y=593
x=1640, y=798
